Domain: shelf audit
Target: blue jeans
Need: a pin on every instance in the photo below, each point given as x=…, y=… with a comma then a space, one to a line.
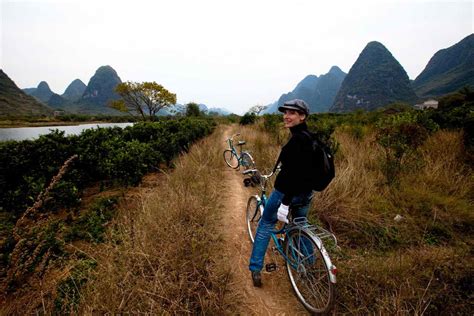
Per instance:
x=267, y=224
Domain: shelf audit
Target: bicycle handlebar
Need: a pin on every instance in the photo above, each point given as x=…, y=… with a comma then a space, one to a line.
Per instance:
x=266, y=176
x=232, y=137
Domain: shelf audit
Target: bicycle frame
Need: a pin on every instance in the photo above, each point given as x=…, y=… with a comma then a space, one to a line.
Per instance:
x=298, y=223
x=230, y=141
x=240, y=155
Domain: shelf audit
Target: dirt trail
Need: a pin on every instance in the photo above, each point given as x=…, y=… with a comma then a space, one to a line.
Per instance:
x=276, y=296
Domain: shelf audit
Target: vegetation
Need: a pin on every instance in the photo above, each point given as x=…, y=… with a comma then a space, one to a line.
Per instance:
x=110, y=157
x=248, y=118
x=169, y=259
x=256, y=109
x=400, y=205
x=192, y=109
x=144, y=99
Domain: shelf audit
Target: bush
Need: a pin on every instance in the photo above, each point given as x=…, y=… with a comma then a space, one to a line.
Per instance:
x=248, y=118
x=400, y=135
x=113, y=155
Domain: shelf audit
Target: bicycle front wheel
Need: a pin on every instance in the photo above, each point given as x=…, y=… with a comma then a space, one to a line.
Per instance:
x=254, y=213
x=231, y=159
x=309, y=275
x=247, y=161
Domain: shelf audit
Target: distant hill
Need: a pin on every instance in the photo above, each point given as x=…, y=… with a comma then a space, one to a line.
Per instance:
x=448, y=70
x=303, y=90
x=75, y=90
x=318, y=92
x=42, y=92
x=181, y=109
x=99, y=92
x=326, y=90
x=219, y=111
x=375, y=80
x=58, y=102
x=14, y=102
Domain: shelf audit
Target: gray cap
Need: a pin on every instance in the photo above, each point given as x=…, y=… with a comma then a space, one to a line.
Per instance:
x=296, y=104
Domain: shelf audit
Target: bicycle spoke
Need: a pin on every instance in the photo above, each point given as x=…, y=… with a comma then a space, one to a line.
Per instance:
x=308, y=272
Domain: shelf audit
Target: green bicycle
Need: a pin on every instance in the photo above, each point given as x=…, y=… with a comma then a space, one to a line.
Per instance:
x=310, y=270
x=234, y=159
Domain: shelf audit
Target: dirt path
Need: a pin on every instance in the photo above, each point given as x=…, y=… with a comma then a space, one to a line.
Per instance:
x=276, y=296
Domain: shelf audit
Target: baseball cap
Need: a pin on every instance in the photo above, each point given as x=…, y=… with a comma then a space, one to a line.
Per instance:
x=296, y=104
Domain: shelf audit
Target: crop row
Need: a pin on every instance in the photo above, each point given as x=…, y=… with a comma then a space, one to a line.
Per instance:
x=109, y=155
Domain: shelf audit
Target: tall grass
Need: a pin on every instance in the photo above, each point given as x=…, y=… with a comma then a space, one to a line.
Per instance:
x=419, y=263
x=164, y=246
x=166, y=258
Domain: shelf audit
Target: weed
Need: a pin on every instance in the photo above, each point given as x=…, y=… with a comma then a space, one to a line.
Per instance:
x=68, y=290
x=91, y=224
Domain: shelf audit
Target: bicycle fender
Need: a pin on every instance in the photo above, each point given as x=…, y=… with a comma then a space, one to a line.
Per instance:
x=324, y=252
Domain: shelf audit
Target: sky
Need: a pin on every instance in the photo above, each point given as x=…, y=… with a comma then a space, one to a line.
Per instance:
x=230, y=54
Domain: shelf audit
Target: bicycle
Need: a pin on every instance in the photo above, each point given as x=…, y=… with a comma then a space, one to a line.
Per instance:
x=235, y=160
x=310, y=270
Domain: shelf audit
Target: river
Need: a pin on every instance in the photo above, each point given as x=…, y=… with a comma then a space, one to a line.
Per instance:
x=23, y=133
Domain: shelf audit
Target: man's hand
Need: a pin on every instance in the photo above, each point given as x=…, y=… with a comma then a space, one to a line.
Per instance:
x=283, y=213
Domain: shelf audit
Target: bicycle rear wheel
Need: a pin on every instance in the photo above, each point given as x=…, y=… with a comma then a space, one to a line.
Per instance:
x=231, y=159
x=254, y=213
x=247, y=161
x=308, y=273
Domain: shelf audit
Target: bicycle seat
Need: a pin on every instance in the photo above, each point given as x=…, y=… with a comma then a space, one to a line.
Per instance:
x=241, y=142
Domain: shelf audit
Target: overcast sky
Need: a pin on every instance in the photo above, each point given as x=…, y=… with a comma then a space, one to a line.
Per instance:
x=231, y=54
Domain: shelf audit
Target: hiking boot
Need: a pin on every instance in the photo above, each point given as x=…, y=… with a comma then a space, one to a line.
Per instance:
x=256, y=278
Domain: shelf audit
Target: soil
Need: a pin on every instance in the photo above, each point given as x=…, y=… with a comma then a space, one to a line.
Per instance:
x=276, y=296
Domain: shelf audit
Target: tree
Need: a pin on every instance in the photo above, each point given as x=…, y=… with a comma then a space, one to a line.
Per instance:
x=145, y=99
x=248, y=118
x=256, y=109
x=192, y=109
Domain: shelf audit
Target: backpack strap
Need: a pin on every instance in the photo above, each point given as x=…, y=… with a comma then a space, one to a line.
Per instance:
x=309, y=136
x=277, y=163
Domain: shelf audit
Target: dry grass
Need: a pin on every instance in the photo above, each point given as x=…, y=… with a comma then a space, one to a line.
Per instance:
x=419, y=265
x=164, y=252
x=167, y=260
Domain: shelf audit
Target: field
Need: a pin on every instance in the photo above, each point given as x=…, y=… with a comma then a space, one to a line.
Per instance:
x=174, y=241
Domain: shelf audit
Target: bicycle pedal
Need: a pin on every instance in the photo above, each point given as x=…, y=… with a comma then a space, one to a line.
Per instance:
x=270, y=267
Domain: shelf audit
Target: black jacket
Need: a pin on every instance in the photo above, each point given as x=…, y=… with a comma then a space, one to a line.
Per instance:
x=295, y=176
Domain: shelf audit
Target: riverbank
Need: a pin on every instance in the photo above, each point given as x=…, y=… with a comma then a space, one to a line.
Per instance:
x=41, y=123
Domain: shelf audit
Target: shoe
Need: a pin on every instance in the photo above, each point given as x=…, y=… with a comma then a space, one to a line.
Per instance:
x=257, y=278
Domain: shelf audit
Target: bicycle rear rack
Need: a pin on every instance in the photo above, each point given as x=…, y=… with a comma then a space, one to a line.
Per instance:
x=320, y=232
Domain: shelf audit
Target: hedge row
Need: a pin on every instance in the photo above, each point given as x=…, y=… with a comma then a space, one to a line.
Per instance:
x=110, y=155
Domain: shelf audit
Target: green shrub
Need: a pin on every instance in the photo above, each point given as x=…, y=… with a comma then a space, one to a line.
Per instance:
x=248, y=118
x=113, y=155
x=90, y=225
x=400, y=135
x=68, y=290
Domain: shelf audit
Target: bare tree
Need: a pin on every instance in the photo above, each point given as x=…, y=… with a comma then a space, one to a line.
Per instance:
x=256, y=109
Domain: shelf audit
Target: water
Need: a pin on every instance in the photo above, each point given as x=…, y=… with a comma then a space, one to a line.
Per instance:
x=22, y=133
